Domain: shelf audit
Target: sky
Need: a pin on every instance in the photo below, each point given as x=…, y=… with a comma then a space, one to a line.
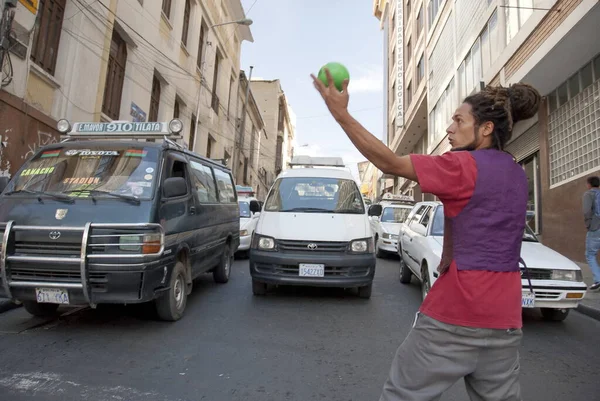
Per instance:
x=293, y=39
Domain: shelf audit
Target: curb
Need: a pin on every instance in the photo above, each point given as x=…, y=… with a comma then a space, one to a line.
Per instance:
x=6, y=305
x=589, y=311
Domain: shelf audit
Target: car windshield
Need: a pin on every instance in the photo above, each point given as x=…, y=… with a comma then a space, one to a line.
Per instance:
x=245, y=209
x=316, y=195
x=394, y=214
x=438, y=227
x=84, y=171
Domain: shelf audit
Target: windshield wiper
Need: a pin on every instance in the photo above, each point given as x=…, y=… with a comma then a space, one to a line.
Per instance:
x=57, y=196
x=307, y=209
x=349, y=211
x=129, y=198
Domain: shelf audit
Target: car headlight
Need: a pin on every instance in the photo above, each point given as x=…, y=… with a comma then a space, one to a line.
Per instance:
x=263, y=243
x=567, y=275
x=364, y=245
x=386, y=236
x=243, y=233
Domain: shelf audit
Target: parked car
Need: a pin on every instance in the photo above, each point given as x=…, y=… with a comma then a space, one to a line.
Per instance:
x=385, y=218
x=248, y=220
x=557, y=281
x=313, y=231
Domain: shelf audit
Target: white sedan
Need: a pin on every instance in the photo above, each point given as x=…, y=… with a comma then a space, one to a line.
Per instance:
x=248, y=222
x=557, y=281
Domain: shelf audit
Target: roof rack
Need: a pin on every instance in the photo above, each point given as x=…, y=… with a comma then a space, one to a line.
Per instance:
x=310, y=161
x=121, y=130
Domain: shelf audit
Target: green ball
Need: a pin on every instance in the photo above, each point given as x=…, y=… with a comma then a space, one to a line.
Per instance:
x=339, y=73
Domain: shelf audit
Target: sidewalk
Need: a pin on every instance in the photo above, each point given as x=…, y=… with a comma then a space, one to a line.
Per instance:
x=590, y=305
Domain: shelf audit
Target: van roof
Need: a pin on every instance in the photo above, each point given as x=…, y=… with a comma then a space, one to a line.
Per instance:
x=164, y=145
x=317, y=173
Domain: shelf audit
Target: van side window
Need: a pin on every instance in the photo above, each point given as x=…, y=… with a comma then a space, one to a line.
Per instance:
x=178, y=169
x=203, y=182
x=226, y=188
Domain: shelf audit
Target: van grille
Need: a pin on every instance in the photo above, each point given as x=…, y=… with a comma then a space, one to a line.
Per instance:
x=308, y=246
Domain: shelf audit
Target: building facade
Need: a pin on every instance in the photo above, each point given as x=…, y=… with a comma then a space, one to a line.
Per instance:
x=133, y=60
x=278, y=146
x=551, y=44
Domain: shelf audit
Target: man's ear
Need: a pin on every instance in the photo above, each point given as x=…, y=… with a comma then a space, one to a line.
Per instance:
x=486, y=129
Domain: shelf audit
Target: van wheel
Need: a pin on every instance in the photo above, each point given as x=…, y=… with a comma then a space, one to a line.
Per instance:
x=171, y=304
x=258, y=288
x=554, y=315
x=223, y=271
x=365, y=292
x=40, y=310
x=405, y=273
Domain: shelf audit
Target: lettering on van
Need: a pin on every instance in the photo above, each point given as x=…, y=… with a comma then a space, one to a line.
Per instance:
x=37, y=171
x=120, y=127
x=87, y=152
x=81, y=180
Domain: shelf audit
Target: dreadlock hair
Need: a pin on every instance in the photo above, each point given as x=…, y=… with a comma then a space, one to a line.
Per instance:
x=503, y=107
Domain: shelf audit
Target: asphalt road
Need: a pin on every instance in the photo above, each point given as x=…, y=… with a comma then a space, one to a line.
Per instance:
x=294, y=344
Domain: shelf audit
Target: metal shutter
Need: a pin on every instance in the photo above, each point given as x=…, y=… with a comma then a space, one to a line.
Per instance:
x=526, y=144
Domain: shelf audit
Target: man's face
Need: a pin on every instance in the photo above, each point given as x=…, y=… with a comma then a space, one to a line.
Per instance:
x=461, y=133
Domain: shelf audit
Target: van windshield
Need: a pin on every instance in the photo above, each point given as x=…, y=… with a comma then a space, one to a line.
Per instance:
x=316, y=195
x=90, y=170
x=395, y=214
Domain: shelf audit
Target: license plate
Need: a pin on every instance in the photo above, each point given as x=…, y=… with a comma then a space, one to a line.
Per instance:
x=52, y=296
x=311, y=270
x=528, y=300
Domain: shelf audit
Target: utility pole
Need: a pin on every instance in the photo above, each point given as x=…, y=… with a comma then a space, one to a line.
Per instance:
x=238, y=135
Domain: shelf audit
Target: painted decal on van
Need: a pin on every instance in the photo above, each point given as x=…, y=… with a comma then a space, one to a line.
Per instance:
x=37, y=171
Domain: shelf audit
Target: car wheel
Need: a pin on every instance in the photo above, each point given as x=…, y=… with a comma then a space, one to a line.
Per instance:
x=365, y=292
x=40, y=310
x=405, y=273
x=425, y=284
x=223, y=271
x=378, y=252
x=554, y=315
x=258, y=288
x=171, y=305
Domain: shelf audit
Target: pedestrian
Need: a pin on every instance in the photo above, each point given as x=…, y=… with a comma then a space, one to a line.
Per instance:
x=469, y=325
x=591, y=215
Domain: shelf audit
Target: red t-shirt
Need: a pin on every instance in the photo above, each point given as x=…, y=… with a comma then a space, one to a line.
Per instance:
x=482, y=299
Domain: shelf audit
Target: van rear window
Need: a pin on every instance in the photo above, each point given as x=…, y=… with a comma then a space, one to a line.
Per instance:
x=77, y=170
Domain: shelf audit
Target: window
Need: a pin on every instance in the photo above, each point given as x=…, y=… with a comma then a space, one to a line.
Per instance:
x=215, y=98
x=166, y=8
x=186, y=22
x=209, y=145
x=202, y=44
x=408, y=52
x=531, y=168
x=154, y=99
x=115, y=75
x=225, y=186
x=420, y=70
x=434, y=8
x=253, y=146
x=414, y=221
x=192, y=133
x=203, y=182
x=44, y=49
x=469, y=73
x=495, y=46
x=586, y=76
x=420, y=21
x=476, y=54
x=408, y=9
x=176, y=109
x=517, y=13
x=486, y=59
x=408, y=95
x=462, y=82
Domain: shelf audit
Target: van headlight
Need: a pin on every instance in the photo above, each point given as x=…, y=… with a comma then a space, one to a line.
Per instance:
x=364, y=245
x=567, y=275
x=263, y=243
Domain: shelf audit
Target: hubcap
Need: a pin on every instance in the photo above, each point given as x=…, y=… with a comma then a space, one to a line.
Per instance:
x=179, y=291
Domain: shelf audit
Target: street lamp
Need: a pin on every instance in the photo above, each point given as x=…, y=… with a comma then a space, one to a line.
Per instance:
x=244, y=22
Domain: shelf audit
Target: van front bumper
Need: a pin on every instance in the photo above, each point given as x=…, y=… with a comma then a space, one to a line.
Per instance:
x=341, y=270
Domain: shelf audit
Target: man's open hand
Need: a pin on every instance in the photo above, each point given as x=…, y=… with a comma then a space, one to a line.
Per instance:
x=336, y=101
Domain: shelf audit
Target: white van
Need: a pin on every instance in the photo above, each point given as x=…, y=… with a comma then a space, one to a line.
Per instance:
x=314, y=231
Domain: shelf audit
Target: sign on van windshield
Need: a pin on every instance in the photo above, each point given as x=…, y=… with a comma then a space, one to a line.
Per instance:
x=75, y=171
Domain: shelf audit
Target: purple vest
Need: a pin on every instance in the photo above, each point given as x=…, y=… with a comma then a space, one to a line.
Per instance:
x=487, y=233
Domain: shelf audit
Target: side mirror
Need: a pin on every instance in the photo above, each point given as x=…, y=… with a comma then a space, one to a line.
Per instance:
x=255, y=206
x=375, y=210
x=3, y=183
x=174, y=187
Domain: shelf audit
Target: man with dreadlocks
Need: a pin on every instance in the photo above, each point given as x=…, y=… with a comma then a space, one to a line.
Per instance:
x=469, y=325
